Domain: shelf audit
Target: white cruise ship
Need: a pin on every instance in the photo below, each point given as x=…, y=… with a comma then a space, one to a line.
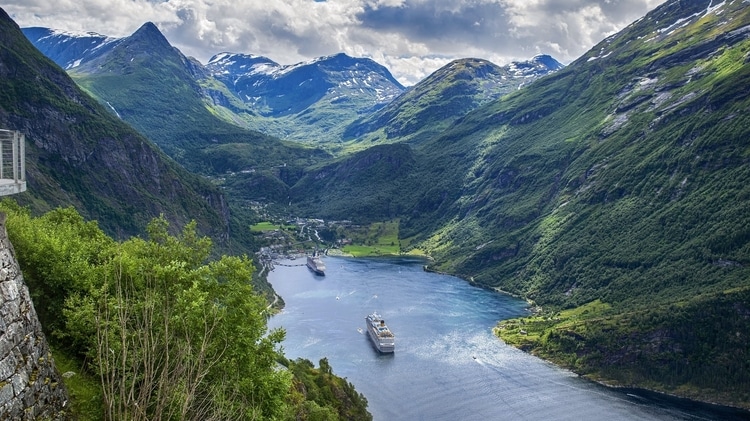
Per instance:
x=381, y=336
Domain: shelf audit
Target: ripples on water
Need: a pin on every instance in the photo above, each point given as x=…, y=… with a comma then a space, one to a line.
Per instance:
x=447, y=365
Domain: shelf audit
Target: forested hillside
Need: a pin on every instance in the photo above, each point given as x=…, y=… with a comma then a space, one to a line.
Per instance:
x=79, y=154
x=622, y=178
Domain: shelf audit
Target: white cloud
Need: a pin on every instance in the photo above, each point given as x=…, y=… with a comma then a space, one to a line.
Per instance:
x=411, y=70
x=411, y=37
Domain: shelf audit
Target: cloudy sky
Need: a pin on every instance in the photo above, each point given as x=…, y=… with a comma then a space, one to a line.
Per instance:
x=412, y=38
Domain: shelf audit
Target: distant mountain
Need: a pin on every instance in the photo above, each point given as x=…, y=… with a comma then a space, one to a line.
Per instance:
x=153, y=86
x=274, y=90
x=434, y=103
x=69, y=49
x=310, y=101
x=79, y=154
x=323, y=101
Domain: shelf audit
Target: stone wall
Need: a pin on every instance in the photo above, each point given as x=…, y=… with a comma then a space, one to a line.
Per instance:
x=30, y=385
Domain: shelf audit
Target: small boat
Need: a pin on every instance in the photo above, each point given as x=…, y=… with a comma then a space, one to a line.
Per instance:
x=382, y=337
x=316, y=264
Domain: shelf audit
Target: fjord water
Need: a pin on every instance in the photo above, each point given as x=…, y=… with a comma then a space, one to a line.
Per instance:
x=447, y=364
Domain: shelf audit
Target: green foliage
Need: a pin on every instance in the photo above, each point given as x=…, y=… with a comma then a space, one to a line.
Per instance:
x=58, y=253
x=169, y=333
x=163, y=319
x=84, y=389
x=376, y=239
x=326, y=396
x=696, y=348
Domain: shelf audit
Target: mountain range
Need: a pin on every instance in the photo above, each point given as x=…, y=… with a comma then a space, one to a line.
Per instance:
x=446, y=95
x=311, y=102
x=613, y=192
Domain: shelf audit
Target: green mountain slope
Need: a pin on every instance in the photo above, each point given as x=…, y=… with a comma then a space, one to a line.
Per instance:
x=370, y=185
x=433, y=104
x=648, y=147
x=622, y=178
x=79, y=155
x=152, y=86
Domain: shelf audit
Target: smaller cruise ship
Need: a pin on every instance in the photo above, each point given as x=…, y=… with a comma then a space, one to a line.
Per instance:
x=316, y=264
x=381, y=336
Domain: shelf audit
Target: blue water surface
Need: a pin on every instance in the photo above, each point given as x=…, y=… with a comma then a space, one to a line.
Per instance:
x=447, y=364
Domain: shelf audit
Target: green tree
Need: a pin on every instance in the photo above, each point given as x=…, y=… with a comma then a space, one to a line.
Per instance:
x=59, y=254
x=170, y=334
x=174, y=338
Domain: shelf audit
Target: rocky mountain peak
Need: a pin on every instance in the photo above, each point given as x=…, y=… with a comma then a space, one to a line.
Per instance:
x=240, y=64
x=548, y=61
x=148, y=30
x=149, y=38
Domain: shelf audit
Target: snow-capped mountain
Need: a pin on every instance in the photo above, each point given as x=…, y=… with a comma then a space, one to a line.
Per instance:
x=278, y=90
x=228, y=64
x=70, y=49
x=314, y=101
x=447, y=94
x=539, y=65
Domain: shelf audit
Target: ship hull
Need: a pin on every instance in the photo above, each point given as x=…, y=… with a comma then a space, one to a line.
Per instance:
x=316, y=265
x=381, y=337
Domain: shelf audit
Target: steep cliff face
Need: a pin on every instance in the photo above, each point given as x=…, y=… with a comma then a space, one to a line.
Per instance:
x=30, y=386
x=78, y=154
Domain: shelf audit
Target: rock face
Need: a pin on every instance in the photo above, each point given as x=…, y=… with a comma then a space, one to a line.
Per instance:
x=80, y=154
x=30, y=386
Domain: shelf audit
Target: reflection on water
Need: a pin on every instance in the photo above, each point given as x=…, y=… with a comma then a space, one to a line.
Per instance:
x=447, y=364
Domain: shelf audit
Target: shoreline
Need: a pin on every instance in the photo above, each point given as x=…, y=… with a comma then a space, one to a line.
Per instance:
x=675, y=399
x=734, y=411
x=737, y=412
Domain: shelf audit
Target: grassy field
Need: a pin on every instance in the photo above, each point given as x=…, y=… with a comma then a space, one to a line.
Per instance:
x=530, y=331
x=377, y=239
x=269, y=226
x=84, y=389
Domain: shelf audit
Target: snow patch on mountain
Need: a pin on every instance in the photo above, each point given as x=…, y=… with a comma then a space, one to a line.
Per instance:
x=69, y=49
x=539, y=65
x=668, y=30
